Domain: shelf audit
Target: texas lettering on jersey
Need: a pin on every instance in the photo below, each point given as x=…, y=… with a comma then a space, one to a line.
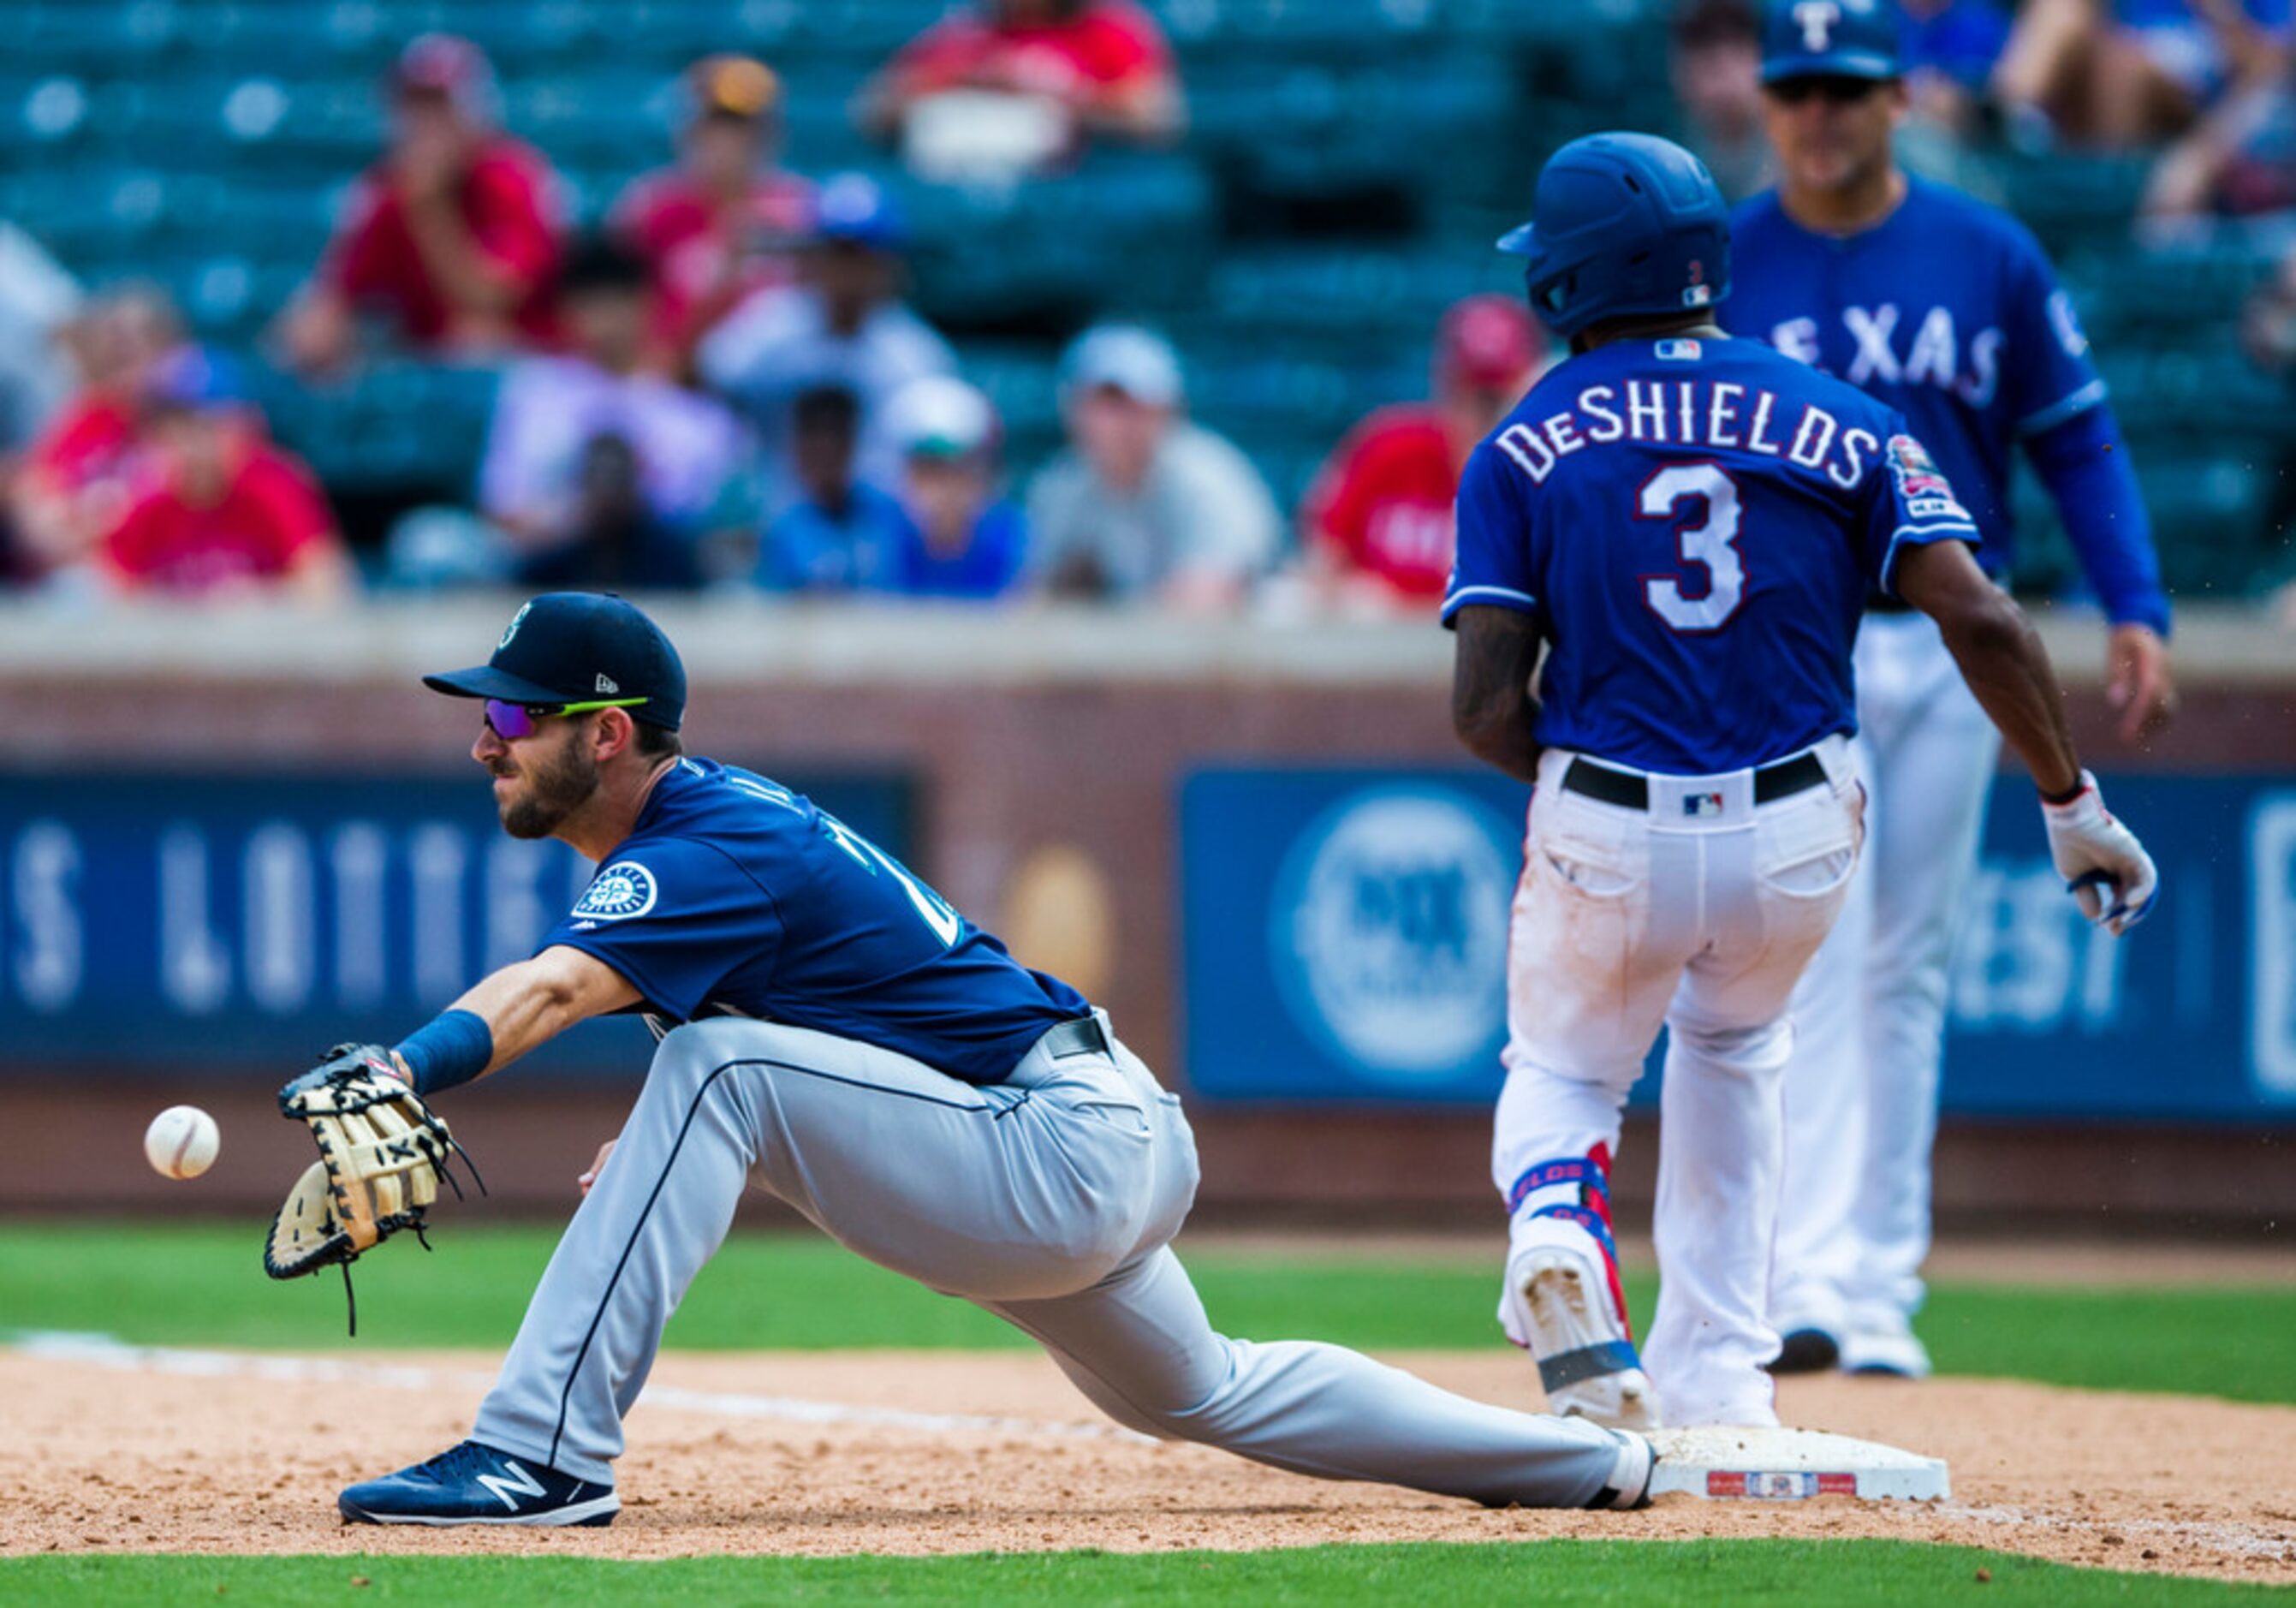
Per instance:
x=1890, y=346
x=1894, y=350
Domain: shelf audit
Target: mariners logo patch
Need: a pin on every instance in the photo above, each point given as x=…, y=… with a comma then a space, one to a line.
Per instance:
x=621, y=890
x=516, y=620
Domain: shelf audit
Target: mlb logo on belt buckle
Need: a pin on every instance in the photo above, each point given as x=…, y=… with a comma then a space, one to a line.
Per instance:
x=1701, y=804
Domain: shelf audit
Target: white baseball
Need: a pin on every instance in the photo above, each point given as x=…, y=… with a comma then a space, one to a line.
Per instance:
x=182, y=1142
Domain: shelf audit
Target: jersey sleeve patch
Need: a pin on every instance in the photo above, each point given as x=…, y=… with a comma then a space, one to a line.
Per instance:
x=1922, y=485
x=623, y=890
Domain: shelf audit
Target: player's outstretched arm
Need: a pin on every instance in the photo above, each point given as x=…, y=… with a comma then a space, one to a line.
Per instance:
x=507, y=1015
x=533, y=1001
x=2002, y=659
x=1491, y=705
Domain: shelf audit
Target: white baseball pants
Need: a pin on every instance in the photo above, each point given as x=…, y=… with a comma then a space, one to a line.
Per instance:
x=1699, y=912
x=1861, y=1090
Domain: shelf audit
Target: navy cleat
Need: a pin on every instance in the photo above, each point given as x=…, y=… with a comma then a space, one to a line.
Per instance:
x=474, y=1484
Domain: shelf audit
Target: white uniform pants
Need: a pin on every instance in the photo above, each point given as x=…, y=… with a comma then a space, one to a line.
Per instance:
x=1699, y=912
x=1869, y=1018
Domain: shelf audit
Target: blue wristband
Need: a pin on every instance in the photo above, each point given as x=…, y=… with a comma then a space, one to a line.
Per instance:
x=450, y=1050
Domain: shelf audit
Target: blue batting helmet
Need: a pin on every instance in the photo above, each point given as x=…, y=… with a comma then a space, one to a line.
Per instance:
x=1830, y=39
x=1623, y=224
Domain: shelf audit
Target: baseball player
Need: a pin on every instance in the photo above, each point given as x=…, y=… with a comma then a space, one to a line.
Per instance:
x=1945, y=310
x=1689, y=526
x=833, y=1032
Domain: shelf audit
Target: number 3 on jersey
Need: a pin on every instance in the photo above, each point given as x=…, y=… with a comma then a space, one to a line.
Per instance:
x=1710, y=542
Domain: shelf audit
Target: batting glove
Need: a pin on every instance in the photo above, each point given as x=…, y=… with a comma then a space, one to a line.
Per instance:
x=2106, y=868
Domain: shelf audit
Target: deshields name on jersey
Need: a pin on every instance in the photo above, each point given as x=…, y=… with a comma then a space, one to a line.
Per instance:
x=1715, y=414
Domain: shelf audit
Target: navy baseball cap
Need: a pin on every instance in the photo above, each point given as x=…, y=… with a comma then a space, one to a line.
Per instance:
x=579, y=647
x=1830, y=39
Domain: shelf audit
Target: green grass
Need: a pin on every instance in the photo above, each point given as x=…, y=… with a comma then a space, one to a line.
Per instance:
x=1553, y=1574
x=202, y=1285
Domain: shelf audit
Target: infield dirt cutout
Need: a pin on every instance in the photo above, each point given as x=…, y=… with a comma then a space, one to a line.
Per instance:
x=127, y=1456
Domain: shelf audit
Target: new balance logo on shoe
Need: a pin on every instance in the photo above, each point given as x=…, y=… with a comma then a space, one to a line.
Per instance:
x=525, y=1485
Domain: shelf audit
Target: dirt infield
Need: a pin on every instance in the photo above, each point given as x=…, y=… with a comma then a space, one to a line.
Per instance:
x=908, y=1453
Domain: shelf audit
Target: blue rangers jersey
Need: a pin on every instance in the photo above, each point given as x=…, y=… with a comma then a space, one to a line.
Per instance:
x=1695, y=524
x=1946, y=310
x=734, y=896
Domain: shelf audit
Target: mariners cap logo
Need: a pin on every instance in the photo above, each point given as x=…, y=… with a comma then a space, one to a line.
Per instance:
x=621, y=890
x=516, y=620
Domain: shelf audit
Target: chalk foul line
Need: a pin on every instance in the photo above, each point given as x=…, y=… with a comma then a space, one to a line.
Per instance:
x=104, y=1351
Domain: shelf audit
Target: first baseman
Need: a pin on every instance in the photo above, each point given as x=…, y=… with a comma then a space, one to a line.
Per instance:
x=834, y=1033
x=1688, y=527
x=1945, y=310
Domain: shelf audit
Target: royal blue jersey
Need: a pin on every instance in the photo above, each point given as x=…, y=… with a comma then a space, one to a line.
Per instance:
x=1946, y=310
x=1695, y=525
x=734, y=896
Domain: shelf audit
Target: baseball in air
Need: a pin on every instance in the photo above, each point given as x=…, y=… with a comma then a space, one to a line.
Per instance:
x=182, y=1142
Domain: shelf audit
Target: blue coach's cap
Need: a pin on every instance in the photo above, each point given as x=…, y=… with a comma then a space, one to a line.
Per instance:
x=579, y=647
x=1830, y=39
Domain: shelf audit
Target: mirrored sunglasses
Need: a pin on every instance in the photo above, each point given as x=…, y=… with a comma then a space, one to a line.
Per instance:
x=512, y=721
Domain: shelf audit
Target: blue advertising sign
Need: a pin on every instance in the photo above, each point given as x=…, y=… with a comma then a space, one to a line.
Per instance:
x=1344, y=939
x=227, y=920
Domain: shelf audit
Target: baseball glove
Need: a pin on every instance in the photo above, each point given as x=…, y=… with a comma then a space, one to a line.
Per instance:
x=382, y=1153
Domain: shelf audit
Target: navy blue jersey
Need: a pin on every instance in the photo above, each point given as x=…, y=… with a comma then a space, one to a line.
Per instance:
x=735, y=896
x=1946, y=310
x=1695, y=525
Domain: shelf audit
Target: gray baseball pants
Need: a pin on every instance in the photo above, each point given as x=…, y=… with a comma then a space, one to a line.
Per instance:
x=1047, y=1200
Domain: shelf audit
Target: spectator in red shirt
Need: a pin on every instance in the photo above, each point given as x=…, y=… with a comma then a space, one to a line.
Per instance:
x=1103, y=65
x=452, y=235
x=77, y=477
x=227, y=513
x=724, y=221
x=1378, y=518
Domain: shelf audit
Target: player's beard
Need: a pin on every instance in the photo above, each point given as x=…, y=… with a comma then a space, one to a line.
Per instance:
x=554, y=788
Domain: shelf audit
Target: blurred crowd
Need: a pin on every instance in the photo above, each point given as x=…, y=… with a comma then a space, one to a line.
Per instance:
x=724, y=385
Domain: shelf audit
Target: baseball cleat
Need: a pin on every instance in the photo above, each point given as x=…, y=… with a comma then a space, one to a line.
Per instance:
x=1895, y=1353
x=474, y=1484
x=1590, y=1366
x=1807, y=1351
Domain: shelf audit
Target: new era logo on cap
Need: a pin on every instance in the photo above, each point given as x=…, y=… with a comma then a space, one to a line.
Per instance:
x=609, y=686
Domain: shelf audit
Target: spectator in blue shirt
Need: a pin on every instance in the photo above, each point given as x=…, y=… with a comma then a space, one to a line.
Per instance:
x=961, y=539
x=839, y=533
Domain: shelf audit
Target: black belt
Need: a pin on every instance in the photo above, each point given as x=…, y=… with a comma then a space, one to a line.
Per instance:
x=1082, y=1037
x=1628, y=790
